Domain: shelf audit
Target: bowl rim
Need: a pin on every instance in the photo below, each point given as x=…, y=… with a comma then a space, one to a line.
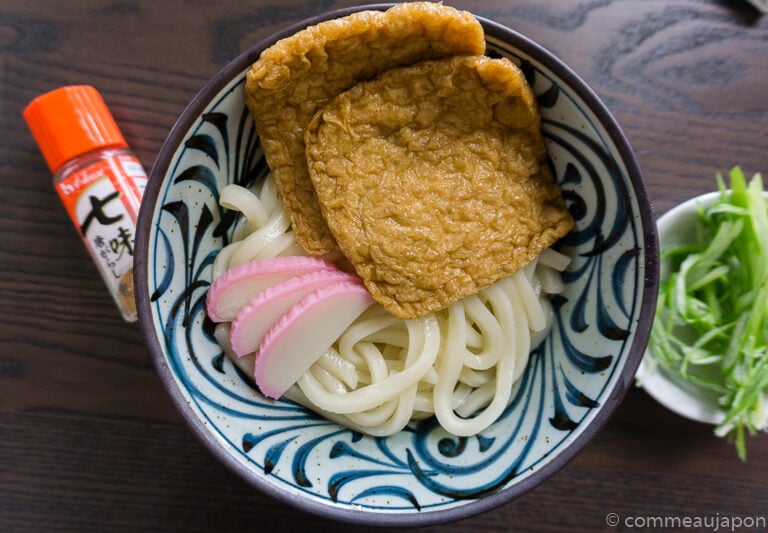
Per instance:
x=642, y=327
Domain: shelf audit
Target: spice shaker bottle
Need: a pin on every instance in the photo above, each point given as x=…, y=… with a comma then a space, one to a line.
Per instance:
x=99, y=180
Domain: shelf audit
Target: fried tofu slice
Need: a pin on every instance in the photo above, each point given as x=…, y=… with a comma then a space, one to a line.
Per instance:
x=434, y=181
x=298, y=75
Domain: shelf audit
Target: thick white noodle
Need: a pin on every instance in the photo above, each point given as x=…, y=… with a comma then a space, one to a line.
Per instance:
x=262, y=232
x=551, y=281
x=277, y=246
x=530, y=300
x=421, y=353
x=516, y=338
x=459, y=365
x=239, y=198
x=345, y=371
x=554, y=259
x=253, y=244
x=268, y=195
x=490, y=331
x=326, y=379
x=221, y=263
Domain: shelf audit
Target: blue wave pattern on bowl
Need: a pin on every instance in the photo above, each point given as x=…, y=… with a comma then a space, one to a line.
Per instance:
x=422, y=468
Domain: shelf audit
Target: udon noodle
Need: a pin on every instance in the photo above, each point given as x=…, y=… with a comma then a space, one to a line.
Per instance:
x=458, y=364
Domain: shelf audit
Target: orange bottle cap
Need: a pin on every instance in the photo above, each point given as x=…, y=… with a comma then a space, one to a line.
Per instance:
x=69, y=122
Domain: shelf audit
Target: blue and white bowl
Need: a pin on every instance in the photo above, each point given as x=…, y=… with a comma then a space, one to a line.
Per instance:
x=422, y=475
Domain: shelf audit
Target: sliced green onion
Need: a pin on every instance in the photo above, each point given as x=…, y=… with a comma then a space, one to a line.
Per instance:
x=711, y=324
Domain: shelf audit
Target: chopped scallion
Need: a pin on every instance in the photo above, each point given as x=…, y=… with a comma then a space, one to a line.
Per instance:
x=711, y=324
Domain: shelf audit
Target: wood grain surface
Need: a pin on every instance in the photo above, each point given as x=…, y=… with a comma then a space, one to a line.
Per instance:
x=89, y=441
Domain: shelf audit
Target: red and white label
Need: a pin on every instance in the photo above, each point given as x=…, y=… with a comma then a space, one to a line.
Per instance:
x=103, y=202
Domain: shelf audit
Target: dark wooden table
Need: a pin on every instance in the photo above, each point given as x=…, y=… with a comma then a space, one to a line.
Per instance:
x=88, y=438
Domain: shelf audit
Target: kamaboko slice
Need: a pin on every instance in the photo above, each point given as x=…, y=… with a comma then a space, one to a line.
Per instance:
x=263, y=310
x=301, y=336
x=234, y=289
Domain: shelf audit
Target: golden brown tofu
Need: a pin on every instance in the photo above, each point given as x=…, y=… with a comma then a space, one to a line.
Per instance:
x=433, y=180
x=298, y=75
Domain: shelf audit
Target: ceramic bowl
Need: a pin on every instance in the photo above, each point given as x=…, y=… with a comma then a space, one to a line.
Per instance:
x=676, y=227
x=422, y=475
